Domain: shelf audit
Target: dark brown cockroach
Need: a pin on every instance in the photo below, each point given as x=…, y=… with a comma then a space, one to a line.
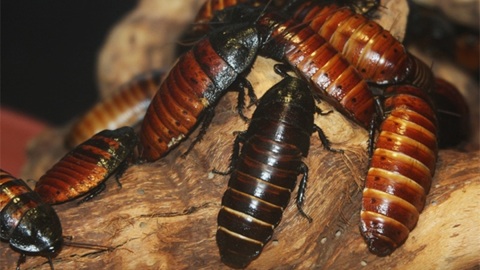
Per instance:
x=194, y=85
x=453, y=114
x=84, y=169
x=30, y=226
x=401, y=169
x=332, y=76
x=210, y=7
x=265, y=173
x=127, y=107
x=373, y=51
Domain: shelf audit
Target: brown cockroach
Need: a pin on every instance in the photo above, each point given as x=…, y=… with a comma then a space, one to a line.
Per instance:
x=126, y=107
x=83, y=170
x=332, y=76
x=401, y=169
x=373, y=51
x=194, y=85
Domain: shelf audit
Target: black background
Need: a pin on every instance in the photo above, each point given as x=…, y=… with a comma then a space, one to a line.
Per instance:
x=48, y=54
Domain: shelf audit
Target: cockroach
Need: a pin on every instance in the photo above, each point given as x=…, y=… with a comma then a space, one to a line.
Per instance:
x=453, y=115
x=372, y=50
x=127, y=107
x=210, y=7
x=401, y=169
x=194, y=85
x=265, y=173
x=310, y=55
x=31, y=226
x=83, y=170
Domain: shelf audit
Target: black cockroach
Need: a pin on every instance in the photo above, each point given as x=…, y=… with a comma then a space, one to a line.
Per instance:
x=84, y=169
x=332, y=76
x=265, y=173
x=401, y=169
x=30, y=226
x=372, y=50
x=194, y=85
x=453, y=114
x=127, y=107
x=210, y=7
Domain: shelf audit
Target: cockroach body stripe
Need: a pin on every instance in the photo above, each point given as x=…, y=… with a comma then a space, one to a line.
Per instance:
x=30, y=226
x=194, y=85
x=372, y=50
x=125, y=108
x=87, y=166
x=265, y=173
x=332, y=76
x=401, y=169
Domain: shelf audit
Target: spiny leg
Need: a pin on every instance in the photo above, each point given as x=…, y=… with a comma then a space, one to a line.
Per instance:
x=301, y=191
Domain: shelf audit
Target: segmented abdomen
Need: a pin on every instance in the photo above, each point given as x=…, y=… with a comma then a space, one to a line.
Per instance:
x=332, y=75
x=376, y=54
x=124, y=108
x=195, y=83
x=373, y=51
x=265, y=174
x=30, y=225
x=86, y=166
x=401, y=169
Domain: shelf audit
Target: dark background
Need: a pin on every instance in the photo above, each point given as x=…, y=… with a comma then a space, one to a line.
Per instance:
x=48, y=54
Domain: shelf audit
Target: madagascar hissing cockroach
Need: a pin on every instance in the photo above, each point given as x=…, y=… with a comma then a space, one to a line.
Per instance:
x=332, y=76
x=84, y=169
x=401, y=169
x=265, y=173
x=453, y=114
x=194, y=85
x=126, y=107
x=373, y=51
x=210, y=7
x=30, y=225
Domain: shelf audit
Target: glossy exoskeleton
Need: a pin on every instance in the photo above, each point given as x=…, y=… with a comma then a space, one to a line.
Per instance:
x=333, y=78
x=127, y=107
x=210, y=7
x=265, y=173
x=30, y=226
x=192, y=88
x=401, y=169
x=372, y=50
x=84, y=169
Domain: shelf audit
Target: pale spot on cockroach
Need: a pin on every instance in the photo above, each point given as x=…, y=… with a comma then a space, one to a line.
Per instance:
x=363, y=263
x=210, y=175
x=175, y=141
x=338, y=233
x=323, y=241
x=275, y=242
x=140, y=192
x=204, y=102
